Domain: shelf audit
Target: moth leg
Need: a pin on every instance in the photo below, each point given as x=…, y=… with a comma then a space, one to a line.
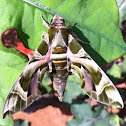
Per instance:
x=75, y=36
x=44, y=22
x=50, y=66
x=69, y=65
x=45, y=37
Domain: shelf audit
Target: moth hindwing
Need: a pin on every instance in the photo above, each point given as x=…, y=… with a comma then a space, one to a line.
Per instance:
x=59, y=54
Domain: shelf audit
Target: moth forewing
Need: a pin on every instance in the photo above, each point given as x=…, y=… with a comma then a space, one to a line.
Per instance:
x=25, y=90
x=94, y=81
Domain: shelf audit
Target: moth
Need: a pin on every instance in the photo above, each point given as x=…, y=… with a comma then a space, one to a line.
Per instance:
x=59, y=54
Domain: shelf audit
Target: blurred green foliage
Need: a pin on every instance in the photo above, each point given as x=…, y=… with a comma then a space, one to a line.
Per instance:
x=20, y=122
x=84, y=116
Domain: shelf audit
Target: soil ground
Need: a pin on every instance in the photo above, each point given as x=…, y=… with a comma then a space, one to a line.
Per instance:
x=46, y=111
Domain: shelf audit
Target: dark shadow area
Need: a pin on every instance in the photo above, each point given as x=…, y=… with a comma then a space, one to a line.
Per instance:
x=123, y=29
x=45, y=100
x=122, y=112
x=20, y=122
x=50, y=99
x=23, y=37
x=124, y=76
x=113, y=79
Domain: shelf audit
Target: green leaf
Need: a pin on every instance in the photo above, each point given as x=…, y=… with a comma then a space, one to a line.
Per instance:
x=95, y=24
x=20, y=122
x=114, y=73
x=72, y=90
x=45, y=87
x=122, y=122
x=84, y=116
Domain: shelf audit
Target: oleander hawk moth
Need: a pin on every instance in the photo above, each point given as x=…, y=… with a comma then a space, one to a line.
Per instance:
x=59, y=54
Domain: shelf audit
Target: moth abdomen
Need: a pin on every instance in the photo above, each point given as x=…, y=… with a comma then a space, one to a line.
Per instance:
x=59, y=77
x=59, y=82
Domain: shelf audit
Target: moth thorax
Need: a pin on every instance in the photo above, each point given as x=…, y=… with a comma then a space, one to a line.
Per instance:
x=59, y=45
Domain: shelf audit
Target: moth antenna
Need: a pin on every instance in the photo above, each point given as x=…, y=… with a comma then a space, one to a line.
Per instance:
x=75, y=36
x=44, y=22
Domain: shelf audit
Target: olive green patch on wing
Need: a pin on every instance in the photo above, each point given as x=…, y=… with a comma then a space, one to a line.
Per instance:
x=51, y=33
x=43, y=48
x=74, y=46
x=64, y=32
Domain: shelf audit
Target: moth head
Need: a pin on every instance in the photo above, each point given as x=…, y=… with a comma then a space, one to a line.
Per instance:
x=57, y=20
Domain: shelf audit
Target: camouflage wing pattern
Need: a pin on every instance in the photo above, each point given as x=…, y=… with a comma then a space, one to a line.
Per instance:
x=26, y=88
x=94, y=81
